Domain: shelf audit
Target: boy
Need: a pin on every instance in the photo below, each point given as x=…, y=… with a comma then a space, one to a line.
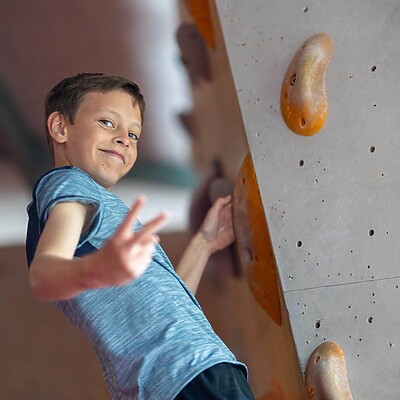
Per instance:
x=114, y=283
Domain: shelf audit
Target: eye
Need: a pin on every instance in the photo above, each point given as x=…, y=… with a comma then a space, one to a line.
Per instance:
x=133, y=136
x=107, y=123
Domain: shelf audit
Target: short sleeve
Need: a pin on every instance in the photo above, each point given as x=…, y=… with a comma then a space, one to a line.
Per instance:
x=68, y=184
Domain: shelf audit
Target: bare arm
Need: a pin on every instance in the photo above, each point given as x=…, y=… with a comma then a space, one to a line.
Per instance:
x=215, y=234
x=55, y=274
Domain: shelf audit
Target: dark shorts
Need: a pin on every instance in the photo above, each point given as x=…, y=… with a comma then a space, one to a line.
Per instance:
x=223, y=381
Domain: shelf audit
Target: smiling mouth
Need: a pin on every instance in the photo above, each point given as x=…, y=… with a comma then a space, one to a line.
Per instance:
x=115, y=155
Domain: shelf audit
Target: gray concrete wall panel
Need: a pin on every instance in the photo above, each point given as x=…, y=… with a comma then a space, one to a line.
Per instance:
x=342, y=190
x=363, y=318
x=331, y=200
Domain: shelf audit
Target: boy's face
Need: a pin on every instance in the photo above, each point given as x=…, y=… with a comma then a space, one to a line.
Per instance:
x=103, y=139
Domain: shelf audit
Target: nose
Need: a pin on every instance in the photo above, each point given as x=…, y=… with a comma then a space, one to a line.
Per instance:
x=121, y=140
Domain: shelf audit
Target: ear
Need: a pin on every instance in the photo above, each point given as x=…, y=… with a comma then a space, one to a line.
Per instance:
x=56, y=127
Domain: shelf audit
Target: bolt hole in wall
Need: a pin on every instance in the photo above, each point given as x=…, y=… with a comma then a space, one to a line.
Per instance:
x=299, y=243
x=372, y=149
x=373, y=68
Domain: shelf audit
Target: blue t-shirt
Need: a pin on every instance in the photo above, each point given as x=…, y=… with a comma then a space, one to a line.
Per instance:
x=150, y=336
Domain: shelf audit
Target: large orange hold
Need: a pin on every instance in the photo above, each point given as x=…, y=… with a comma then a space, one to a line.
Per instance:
x=304, y=103
x=200, y=11
x=253, y=241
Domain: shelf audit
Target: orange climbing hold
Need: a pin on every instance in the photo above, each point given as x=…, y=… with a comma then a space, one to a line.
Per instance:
x=269, y=396
x=275, y=394
x=200, y=11
x=304, y=103
x=326, y=374
x=253, y=241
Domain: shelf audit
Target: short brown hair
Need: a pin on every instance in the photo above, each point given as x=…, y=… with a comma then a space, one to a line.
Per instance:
x=67, y=95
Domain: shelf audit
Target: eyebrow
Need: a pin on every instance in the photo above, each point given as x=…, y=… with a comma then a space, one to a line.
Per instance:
x=119, y=116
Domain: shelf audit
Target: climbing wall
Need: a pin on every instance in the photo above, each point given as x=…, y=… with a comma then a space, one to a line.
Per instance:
x=331, y=200
x=258, y=333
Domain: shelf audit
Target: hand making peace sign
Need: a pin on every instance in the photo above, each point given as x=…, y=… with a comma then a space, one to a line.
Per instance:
x=127, y=254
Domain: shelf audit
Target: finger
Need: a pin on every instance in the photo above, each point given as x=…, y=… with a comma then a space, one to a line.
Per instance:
x=141, y=253
x=143, y=239
x=227, y=200
x=125, y=229
x=142, y=258
x=222, y=202
x=145, y=245
x=151, y=227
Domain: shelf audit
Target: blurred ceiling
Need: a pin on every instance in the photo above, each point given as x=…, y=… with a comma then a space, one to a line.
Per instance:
x=44, y=41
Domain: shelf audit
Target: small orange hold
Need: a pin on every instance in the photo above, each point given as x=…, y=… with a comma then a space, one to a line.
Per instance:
x=304, y=104
x=275, y=394
x=271, y=395
x=326, y=374
x=253, y=241
x=200, y=11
